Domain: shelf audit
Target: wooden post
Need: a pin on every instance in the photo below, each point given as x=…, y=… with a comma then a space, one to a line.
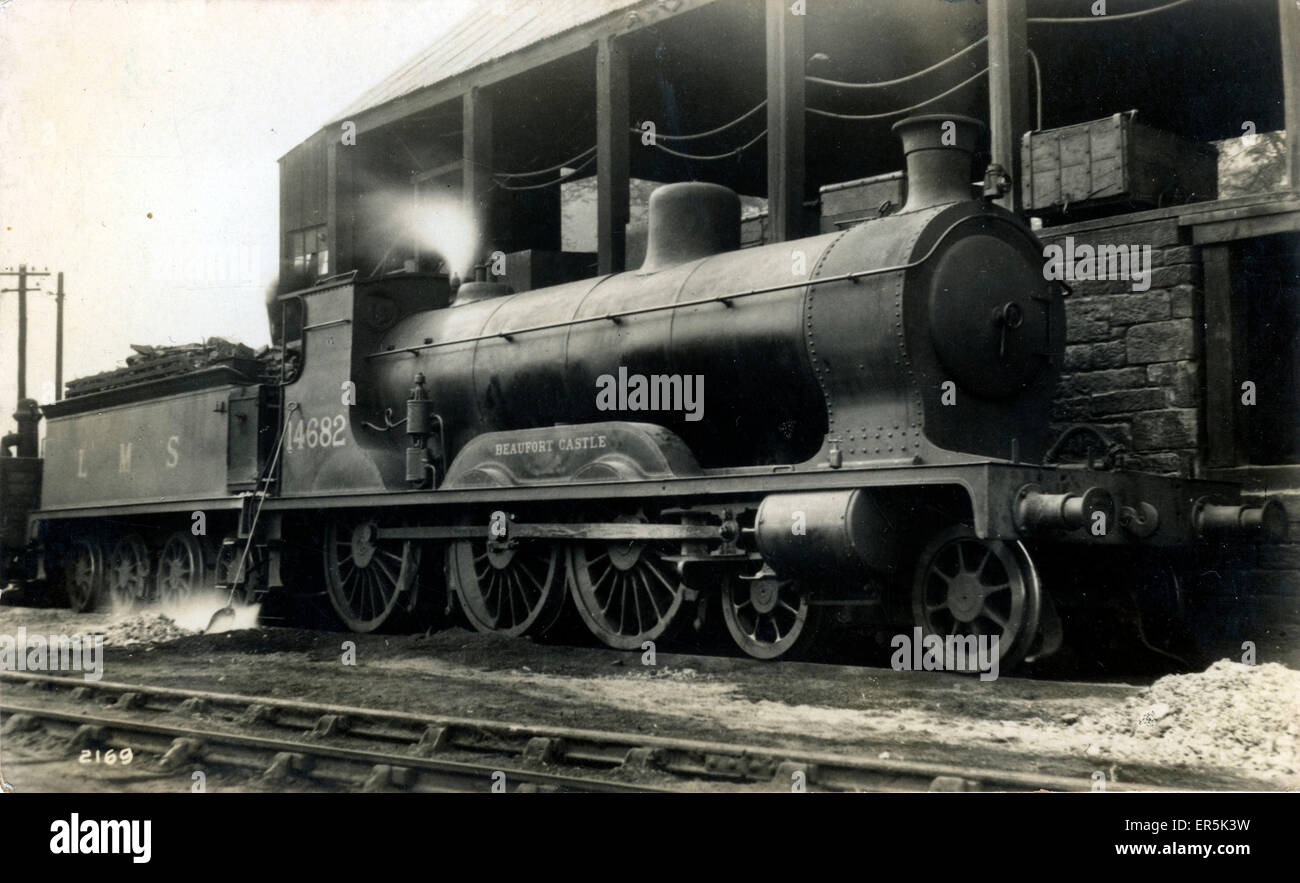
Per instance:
x=476, y=168
x=785, y=120
x=22, y=332
x=1288, y=21
x=1223, y=328
x=1008, y=89
x=23, y=275
x=612, y=155
x=341, y=207
x=58, y=342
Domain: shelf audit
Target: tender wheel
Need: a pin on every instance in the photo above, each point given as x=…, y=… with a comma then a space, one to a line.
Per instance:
x=513, y=590
x=84, y=574
x=369, y=581
x=249, y=590
x=968, y=586
x=128, y=572
x=625, y=591
x=182, y=568
x=770, y=617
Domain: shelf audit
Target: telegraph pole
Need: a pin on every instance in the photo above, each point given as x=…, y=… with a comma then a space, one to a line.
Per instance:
x=22, y=275
x=58, y=344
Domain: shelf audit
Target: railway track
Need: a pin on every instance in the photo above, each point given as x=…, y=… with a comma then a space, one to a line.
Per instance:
x=287, y=741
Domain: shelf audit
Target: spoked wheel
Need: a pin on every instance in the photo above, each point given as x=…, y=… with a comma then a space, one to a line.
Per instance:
x=510, y=589
x=770, y=617
x=84, y=574
x=624, y=590
x=182, y=568
x=250, y=588
x=128, y=572
x=370, y=582
x=968, y=586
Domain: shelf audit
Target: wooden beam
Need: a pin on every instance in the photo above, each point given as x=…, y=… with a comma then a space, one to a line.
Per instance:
x=476, y=180
x=1008, y=89
x=1246, y=228
x=612, y=159
x=441, y=171
x=785, y=120
x=1288, y=20
x=1223, y=328
x=1238, y=209
x=341, y=206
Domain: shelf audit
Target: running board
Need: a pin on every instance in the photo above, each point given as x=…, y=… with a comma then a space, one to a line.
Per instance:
x=503, y=530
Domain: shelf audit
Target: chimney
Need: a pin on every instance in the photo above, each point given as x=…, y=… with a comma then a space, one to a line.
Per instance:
x=939, y=148
x=688, y=221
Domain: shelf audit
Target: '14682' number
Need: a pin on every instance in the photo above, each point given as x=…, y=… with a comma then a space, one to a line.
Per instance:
x=322, y=432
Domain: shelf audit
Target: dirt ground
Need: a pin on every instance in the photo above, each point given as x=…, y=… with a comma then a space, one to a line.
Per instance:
x=1231, y=727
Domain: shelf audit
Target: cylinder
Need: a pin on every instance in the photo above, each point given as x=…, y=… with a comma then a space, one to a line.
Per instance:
x=839, y=533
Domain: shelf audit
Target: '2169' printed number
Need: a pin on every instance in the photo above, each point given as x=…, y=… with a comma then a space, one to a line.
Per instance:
x=322, y=432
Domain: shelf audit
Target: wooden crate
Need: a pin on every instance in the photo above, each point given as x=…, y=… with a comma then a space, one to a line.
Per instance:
x=1112, y=162
x=848, y=202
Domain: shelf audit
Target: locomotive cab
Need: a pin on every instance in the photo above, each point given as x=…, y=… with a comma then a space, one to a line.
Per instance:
x=338, y=429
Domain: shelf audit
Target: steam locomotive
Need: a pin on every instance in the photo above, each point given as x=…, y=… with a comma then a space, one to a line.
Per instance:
x=872, y=444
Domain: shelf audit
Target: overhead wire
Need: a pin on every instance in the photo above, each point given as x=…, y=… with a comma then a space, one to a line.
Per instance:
x=562, y=178
x=882, y=84
x=816, y=111
x=534, y=172
x=659, y=136
x=1092, y=19
x=730, y=153
x=889, y=113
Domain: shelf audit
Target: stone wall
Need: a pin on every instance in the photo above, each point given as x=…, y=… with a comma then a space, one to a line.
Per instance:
x=1132, y=364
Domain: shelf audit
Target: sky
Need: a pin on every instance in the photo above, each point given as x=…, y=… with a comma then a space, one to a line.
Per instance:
x=138, y=149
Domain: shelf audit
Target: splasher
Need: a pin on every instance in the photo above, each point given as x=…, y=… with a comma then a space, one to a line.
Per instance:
x=225, y=617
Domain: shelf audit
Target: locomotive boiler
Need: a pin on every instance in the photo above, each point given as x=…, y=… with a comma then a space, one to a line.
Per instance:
x=853, y=426
x=844, y=337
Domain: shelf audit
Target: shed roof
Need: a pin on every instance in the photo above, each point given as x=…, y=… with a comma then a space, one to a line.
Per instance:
x=494, y=30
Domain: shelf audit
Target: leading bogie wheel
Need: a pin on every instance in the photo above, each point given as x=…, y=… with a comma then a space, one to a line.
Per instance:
x=965, y=586
x=770, y=617
x=370, y=581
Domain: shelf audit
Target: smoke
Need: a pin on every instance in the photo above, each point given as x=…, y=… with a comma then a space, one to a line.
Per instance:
x=191, y=614
x=442, y=225
x=195, y=612
x=395, y=223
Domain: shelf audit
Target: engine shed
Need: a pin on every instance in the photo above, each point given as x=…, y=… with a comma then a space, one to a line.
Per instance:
x=537, y=130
